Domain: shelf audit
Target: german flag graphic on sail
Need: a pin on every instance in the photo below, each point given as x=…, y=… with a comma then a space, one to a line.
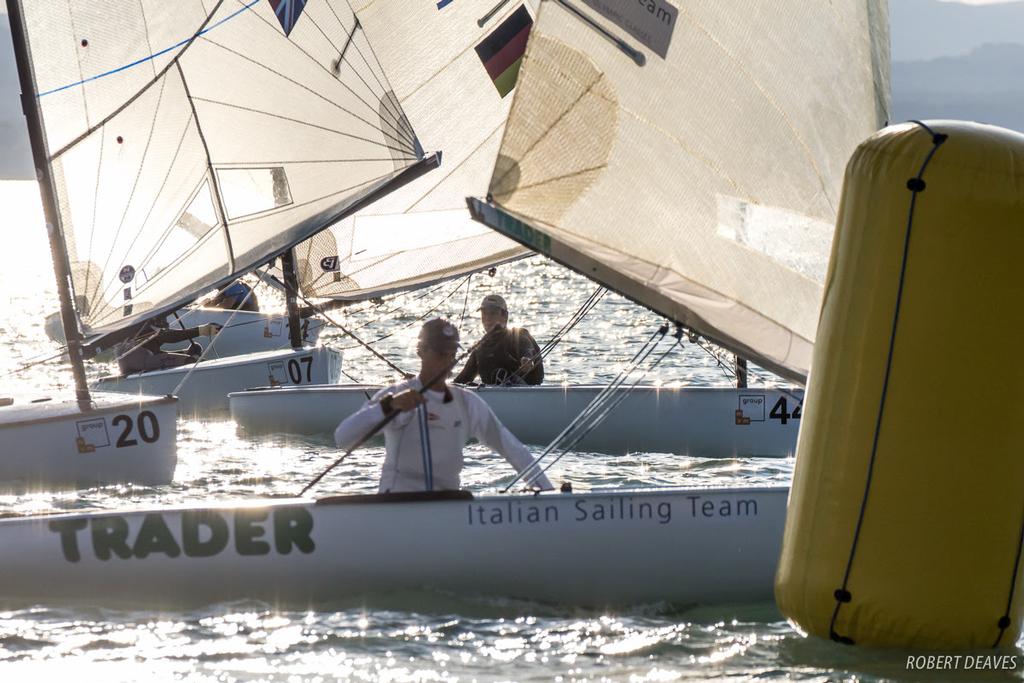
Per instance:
x=502, y=51
x=288, y=12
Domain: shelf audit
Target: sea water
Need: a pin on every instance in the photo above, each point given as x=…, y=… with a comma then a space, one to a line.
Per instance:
x=423, y=637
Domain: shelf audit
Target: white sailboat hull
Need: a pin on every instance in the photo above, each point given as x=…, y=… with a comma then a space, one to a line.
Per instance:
x=52, y=443
x=205, y=392
x=679, y=546
x=243, y=332
x=695, y=421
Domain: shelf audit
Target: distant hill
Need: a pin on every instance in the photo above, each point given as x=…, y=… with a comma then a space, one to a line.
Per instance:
x=929, y=29
x=985, y=85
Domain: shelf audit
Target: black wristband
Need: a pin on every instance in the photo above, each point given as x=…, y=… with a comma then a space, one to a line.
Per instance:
x=386, y=404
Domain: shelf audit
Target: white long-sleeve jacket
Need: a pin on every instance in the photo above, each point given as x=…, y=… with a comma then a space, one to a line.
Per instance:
x=449, y=419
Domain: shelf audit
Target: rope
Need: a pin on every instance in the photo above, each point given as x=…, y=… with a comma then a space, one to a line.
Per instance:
x=23, y=368
x=601, y=405
x=397, y=329
x=556, y=339
x=209, y=346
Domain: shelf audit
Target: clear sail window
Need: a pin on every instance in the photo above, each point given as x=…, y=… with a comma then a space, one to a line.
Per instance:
x=253, y=190
x=194, y=224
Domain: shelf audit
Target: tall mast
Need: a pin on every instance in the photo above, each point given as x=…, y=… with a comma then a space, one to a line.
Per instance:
x=40, y=158
x=291, y=291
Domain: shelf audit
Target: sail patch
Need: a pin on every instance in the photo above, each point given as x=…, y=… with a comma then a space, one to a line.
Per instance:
x=288, y=12
x=502, y=51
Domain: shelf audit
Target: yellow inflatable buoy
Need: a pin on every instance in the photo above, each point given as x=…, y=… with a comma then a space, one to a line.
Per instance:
x=906, y=516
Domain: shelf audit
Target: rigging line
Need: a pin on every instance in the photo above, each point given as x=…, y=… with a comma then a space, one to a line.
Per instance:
x=597, y=419
x=300, y=122
x=606, y=397
x=596, y=402
x=915, y=185
x=576, y=318
x=135, y=183
x=89, y=131
x=580, y=313
x=22, y=368
x=355, y=380
x=213, y=342
x=465, y=302
x=396, y=137
x=389, y=312
x=410, y=324
x=578, y=422
x=322, y=313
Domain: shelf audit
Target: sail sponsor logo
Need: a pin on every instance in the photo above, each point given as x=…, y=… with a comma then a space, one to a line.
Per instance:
x=751, y=409
x=652, y=22
x=192, y=533
x=597, y=511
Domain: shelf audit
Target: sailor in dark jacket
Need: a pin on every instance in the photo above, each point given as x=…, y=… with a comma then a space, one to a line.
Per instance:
x=506, y=355
x=142, y=352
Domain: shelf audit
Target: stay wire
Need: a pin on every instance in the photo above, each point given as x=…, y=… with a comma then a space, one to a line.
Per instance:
x=617, y=399
x=596, y=404
x=407, y=325
x=556, y=339
x=31, y=364
x=323, y=314
x=213, y=341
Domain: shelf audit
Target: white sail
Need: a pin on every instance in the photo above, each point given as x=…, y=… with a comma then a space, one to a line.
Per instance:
x=189, y=141
x=423, y=232
x=690, y=155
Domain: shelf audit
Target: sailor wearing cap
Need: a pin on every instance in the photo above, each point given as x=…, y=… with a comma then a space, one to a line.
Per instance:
x=506, y=355
x=424, y=442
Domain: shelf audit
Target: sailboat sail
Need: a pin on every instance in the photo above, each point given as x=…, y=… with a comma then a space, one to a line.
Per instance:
x=452, y=66
x=690, y=155
x=189, y=141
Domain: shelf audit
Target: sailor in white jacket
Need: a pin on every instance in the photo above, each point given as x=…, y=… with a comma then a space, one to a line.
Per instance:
x=424, y=442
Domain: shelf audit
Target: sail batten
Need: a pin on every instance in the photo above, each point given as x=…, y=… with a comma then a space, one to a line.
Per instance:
x=698, y=171
x=194, y=144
